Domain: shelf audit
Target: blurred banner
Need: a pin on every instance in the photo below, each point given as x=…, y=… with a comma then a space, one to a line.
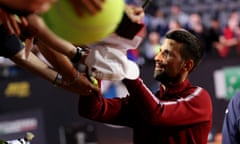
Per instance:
x=227, y=82
x=16, y=125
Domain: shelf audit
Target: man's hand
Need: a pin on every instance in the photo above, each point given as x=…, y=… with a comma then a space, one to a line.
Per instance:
x=71, y=80
x=12, y=22
x=91, y=6
x=82, y=86
x=136, y=14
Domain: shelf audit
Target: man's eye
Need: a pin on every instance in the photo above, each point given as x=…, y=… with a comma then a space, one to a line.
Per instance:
x=165, y=54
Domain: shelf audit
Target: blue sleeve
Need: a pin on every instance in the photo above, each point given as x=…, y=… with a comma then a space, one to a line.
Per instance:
x=9, y=44
x=231, y=124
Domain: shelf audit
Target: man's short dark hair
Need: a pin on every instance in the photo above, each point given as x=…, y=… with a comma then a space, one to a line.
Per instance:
x=191, y=49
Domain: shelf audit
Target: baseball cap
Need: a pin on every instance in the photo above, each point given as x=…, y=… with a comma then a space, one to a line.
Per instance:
x=109, y=63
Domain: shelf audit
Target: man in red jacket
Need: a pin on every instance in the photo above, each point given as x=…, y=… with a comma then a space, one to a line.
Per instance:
x=179, y=113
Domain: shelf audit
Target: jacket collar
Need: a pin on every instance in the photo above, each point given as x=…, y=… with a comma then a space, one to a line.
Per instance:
x=171, y=91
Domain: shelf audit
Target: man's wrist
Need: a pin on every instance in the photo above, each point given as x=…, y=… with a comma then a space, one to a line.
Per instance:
x=69, y=83
x=78, y=55
x=58, y=80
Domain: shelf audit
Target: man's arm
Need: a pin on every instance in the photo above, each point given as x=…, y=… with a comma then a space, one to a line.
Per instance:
x=13, y=48
x=72, y=79
x=34, y=65
x=231, y=124
x=59, y=52
x=38, y=28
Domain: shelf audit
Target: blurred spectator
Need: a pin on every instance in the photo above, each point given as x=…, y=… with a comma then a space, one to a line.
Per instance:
x=157, y=22
x=133, y=2
x=179, y=14
x=214, y=32
x=174, y=24
x=229, y=39
x=196, y=27
x=152, y=46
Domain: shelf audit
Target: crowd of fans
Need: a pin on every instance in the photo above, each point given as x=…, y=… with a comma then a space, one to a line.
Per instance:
x=220, y=36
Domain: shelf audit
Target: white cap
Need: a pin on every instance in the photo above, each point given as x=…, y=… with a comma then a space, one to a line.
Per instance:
x=108, y=63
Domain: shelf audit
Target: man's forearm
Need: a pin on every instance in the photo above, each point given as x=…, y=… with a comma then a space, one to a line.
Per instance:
x=40, y=30
x=60, y=62
x=72, y=79
x=34, y=65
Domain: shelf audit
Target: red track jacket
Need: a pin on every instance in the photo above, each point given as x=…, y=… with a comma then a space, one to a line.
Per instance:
x=181, y=114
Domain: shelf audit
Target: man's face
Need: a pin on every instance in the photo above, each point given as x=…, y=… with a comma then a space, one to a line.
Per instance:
x=169, y=63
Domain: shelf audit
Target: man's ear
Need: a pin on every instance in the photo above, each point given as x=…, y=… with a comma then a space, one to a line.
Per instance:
x=188, y=65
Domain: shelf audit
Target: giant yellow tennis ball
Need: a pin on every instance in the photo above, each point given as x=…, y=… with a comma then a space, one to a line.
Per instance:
x=87, y=29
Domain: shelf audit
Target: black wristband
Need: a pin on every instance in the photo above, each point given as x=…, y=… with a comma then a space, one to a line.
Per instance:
x=77, y=56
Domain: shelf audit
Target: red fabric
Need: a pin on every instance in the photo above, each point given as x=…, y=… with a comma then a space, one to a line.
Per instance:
x=228, y=34
x=182, y=116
